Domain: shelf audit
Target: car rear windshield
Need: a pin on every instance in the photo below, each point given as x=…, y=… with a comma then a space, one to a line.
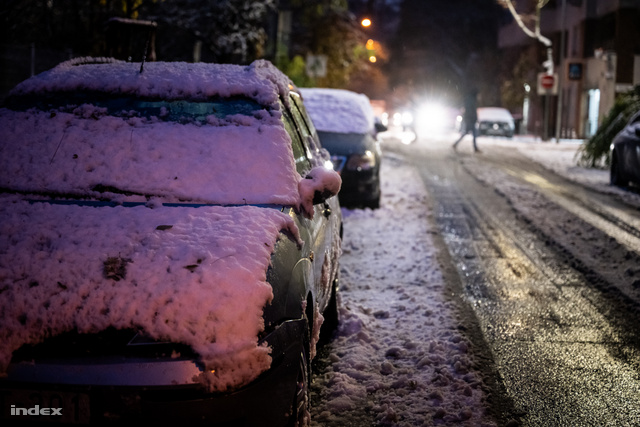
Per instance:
x=173, y=110
x=346, y=143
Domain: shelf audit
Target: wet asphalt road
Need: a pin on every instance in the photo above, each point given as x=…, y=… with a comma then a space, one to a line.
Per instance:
x=552, y=273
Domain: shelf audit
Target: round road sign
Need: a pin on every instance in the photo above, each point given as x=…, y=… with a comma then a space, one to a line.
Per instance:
x=547, y=81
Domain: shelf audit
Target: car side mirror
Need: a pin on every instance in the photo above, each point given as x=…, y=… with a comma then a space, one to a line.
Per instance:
x=319, y=185
x=380, y=127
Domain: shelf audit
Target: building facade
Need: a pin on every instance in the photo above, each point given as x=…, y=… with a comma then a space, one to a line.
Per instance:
x=596, y=55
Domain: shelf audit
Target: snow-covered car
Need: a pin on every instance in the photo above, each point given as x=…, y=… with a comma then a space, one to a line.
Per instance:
x=169, y=246
x=625, y=154
x=346, y=126
x=495, y=121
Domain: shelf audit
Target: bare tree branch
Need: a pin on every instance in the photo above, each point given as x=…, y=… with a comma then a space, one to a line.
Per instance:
x=535, y=33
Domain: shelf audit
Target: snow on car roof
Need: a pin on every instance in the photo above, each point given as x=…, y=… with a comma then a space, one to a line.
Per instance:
x=246, y=162
x=338, y=110
x=494, y=113
x=260, y=81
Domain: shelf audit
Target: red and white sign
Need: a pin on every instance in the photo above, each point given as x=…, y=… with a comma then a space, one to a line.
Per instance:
x=547, y=81
x=547, y=84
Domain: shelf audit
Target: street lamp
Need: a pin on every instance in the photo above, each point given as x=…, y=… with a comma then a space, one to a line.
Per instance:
x=525, y=109
x=371, y=50
x=366, y=22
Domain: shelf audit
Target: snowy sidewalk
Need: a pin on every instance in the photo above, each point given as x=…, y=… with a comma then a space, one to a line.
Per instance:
x=399, y=353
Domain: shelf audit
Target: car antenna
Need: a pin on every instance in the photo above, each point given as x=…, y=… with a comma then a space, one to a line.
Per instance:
x=144, y=55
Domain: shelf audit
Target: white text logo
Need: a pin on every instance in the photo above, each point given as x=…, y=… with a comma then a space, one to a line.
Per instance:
x=36, y=410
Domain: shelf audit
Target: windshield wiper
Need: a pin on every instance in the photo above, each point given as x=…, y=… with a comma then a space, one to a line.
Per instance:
x=115, y=190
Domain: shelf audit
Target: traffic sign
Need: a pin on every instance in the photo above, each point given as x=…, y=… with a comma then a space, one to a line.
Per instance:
x=547, y=81
x=547, y=84
x=316, y=65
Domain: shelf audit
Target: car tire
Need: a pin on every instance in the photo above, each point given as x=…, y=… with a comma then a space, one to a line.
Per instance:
x=331, y=315
x=301, y=415
x=374, y=204
x=616, y=176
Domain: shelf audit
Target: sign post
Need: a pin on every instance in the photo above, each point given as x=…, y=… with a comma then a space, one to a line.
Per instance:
x=547, y=86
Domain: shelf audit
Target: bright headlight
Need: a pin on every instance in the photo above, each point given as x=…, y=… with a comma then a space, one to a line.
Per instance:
x=432, y=116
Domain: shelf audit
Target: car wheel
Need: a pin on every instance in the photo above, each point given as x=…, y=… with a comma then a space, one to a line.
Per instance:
x=331, y=315
x=373, y=204
x=616, y=176
x=301, y=416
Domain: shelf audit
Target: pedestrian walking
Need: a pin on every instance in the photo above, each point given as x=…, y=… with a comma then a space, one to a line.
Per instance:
x=469, y=118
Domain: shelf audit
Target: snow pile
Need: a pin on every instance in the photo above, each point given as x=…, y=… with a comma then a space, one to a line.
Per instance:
x=399, y=353
x=338, y=110
x=190, y=275
x=67, y=153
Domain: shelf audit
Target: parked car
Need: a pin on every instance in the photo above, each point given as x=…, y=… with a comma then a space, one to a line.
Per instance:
x=169, y=246
x=495, y=121
x=625, y=154
x=346, y=126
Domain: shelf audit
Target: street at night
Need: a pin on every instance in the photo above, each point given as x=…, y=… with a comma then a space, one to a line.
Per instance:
x=320, y=213
x=543, y=269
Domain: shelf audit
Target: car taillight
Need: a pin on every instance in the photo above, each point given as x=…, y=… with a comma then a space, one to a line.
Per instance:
x=359, y=162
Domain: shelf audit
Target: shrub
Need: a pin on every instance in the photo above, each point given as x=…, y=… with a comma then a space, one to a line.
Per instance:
x=596, y=151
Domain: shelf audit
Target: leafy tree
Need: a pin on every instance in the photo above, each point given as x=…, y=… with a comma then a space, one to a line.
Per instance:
x=325, y=27
x=77, y=25
x=229, y=30
x=520, y=73
x=596, y=151
x=222, y=30
x=296, y=69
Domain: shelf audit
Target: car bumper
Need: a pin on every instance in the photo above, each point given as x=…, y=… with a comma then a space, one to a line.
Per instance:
x=495, y=129
x=264, y=402
x=359, y=187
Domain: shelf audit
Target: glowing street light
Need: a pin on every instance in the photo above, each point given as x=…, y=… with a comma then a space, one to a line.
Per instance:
x=366, y=22
x=371, y=47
